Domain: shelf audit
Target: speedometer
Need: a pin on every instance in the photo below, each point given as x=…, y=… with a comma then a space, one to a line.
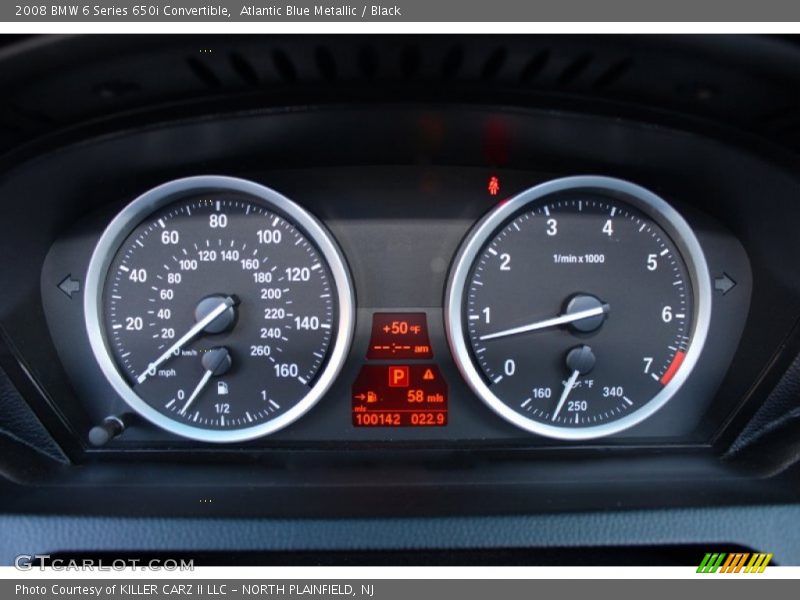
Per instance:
x=218, y=309
x=579, y=307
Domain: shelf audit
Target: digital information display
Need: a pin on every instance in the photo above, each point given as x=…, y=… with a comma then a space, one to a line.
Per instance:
x=399, y=394
x=399, y=335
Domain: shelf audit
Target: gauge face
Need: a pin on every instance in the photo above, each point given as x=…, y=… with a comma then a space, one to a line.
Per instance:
x=219, y=309
x=578, y=308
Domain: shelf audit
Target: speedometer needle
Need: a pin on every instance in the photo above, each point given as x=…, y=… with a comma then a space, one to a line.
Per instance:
x=553, y=322
x=565, y=394
x=186, y=337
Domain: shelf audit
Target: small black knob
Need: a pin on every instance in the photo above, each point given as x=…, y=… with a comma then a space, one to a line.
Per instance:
x=111, y=427
x=581, y=302
x=581, y=359
x=217, y=360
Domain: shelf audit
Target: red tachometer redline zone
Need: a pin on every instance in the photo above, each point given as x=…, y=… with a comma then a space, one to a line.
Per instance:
x=676, y=363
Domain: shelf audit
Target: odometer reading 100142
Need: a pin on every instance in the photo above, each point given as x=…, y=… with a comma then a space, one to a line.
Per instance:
x=223, y=313
x=579, y=307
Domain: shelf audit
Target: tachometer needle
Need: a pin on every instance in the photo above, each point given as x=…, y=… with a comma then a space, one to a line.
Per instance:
x=565, y=394
x=185, y=338
x=553, y=322
x=206, y=376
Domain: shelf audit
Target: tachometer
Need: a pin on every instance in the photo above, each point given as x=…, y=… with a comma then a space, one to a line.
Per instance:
x=218, y=309
x=579, y=307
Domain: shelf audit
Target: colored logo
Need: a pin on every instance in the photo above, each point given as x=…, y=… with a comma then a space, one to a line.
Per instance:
x=737, y=562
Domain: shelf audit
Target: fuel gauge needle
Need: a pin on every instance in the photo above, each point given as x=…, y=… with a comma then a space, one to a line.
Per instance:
x=565, y=394
x=216, y=361
x=200, y=386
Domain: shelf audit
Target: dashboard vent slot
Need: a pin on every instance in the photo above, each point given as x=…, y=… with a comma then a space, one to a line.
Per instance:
x=284, y=66
x=410, y=62
x=368, y=63
x=535, y=66
x=204, y=73
x=451, y=64
x=244, y=69
x=326, y=63
x=574, y=69
x=613, y=74
x=494, y=64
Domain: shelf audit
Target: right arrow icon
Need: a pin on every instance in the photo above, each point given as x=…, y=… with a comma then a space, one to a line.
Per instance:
x=724, y=283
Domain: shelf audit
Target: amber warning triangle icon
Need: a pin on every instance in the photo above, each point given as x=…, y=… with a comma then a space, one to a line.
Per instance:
x=428, y=375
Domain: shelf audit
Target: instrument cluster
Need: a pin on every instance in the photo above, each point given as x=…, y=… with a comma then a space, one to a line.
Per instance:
x=406, y=304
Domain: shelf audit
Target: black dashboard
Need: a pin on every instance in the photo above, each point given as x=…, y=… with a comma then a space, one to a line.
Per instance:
x=446, y=299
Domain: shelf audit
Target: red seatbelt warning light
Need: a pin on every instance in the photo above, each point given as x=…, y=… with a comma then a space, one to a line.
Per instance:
x=493, y=186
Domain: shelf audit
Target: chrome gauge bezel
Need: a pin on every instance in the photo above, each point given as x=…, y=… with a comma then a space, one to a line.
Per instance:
x=144, y=206
x=650, y=204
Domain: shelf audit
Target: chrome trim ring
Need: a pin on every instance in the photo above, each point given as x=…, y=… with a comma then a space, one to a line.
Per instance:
x=650, y=204
x=136, y=212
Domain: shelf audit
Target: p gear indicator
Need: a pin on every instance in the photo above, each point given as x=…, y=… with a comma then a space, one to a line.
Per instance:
x=400, y=396
x=399, y=377
x=399, y=336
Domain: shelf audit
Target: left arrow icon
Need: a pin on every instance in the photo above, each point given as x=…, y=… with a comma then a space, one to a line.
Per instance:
x=69, y=286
